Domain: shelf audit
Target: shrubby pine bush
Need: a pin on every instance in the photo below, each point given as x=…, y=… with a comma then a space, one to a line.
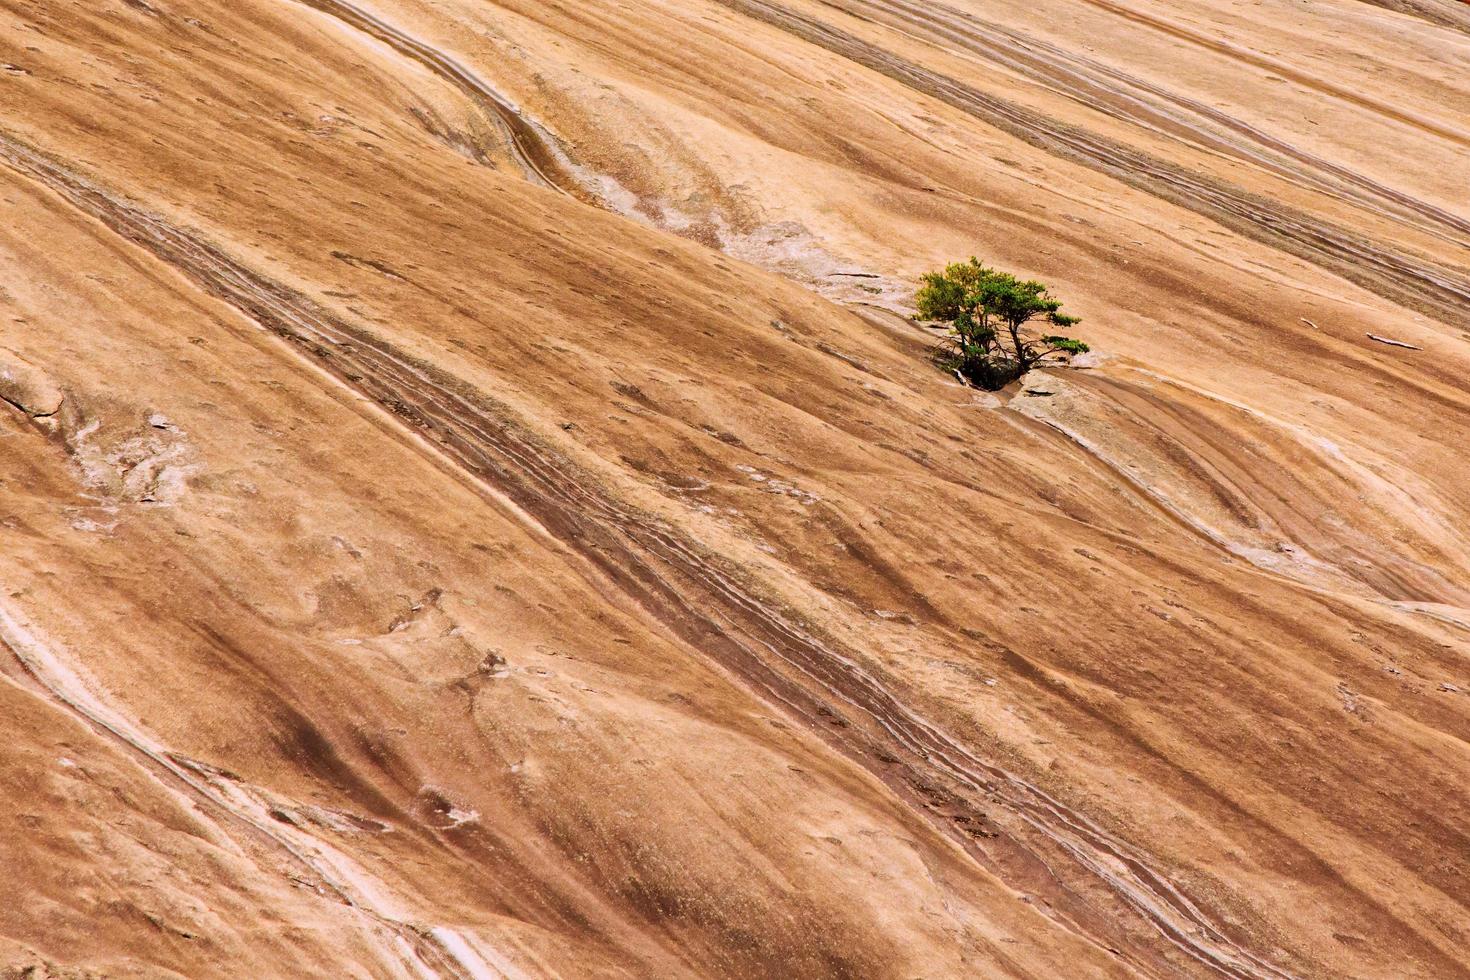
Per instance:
x=990, y=314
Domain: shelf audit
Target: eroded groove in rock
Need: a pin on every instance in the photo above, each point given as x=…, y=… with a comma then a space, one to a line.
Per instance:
x=1244, y=54
x=1117, y=94
x=705, y=605
x=1411, y=281
x=1454, y=14
x=532, y=149
x=399, y=944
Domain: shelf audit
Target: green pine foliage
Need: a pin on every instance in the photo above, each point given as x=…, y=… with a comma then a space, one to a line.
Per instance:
x=989, y=313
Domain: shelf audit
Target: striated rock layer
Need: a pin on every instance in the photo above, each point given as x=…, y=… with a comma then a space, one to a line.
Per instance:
x=473, y=505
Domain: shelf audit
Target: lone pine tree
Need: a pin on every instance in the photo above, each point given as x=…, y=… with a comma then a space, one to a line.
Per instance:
x=990, y=314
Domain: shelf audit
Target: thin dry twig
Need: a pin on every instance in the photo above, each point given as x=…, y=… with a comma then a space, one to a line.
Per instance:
x=1392, y=343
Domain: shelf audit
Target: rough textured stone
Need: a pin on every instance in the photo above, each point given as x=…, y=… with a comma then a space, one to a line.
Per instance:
x=27, y=387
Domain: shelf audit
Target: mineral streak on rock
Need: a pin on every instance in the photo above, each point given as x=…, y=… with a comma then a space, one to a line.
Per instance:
x=474, y=503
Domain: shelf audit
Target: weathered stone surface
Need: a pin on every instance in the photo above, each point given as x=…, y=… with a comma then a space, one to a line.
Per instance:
x=27, y=387
x=462, y=552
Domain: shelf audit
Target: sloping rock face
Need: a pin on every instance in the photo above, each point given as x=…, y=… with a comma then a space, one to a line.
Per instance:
x=473, y=505
x=27, y=388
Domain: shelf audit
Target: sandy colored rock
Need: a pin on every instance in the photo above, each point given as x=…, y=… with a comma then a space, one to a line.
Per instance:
x=502, y=522
x=27, y=387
